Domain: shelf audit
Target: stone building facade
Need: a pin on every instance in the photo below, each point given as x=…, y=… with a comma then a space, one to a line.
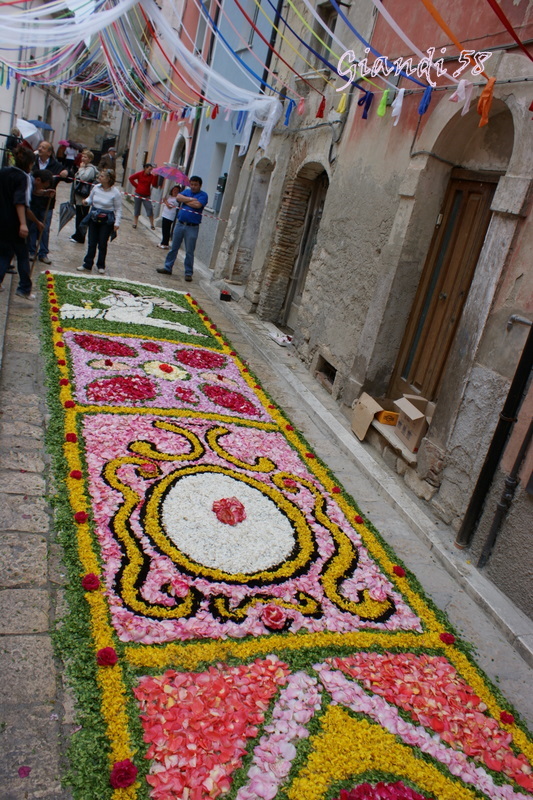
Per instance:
x=400, y=257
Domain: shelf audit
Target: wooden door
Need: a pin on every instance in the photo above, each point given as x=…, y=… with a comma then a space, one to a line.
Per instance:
x=443, y=289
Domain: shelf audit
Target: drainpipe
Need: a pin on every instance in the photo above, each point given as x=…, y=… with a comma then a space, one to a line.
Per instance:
x=504, y=504
x=508, y=417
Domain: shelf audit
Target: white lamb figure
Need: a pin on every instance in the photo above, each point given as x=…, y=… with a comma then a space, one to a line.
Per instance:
x=126, y=307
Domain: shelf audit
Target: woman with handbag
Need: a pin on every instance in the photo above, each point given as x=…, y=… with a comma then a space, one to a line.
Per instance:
x=83, y=183
x=105, y=214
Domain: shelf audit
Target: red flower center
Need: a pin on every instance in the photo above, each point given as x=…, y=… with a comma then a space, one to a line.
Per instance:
x=229, y=510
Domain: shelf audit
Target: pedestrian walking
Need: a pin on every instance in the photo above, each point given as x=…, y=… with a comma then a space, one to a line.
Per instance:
x=109, y=160
x=15, y=195
x=44, y=209
x=169, y=210
x=193, y=201
x=83, y=184
x=142, y=182
x=70, y=158
x=105, y=214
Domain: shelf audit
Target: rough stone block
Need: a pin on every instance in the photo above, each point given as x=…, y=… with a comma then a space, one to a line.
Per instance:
x=21, y=430
x=27, y=667
x=23, y=556
x=401, y=466
x=17, y=514
x=431, y=460
x=56, y=571
x=19, y=460
x=23, y=611
x=30, y=739
x=24, y=483
x=421, y=488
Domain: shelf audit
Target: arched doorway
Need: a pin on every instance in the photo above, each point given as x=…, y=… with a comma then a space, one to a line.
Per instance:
x=297, y=228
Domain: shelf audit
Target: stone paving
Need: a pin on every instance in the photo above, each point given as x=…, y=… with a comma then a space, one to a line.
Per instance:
x=37, y=712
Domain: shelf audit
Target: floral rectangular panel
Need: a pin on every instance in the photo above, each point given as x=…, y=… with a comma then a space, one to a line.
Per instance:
x=237, y=629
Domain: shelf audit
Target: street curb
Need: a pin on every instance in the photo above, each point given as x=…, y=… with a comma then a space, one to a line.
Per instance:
x=5, y=297
x=512, y=622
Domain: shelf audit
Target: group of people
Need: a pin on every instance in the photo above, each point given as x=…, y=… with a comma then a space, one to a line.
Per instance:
x=27, y=200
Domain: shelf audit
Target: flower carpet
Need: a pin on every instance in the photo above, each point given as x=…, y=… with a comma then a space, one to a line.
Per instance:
x=236, y=629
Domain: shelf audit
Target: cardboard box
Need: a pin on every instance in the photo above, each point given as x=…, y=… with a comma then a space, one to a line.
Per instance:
x=366, y=409
x=413, y=422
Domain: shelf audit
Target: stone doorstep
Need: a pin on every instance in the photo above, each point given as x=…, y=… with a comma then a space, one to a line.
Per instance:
x=513, y=623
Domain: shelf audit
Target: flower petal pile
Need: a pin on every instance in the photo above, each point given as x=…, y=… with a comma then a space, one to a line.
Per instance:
x=236, y=628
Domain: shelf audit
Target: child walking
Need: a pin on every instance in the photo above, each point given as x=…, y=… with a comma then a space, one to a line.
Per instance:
x=168, y=215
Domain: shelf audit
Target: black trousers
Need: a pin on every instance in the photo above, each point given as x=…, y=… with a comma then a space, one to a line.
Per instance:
x=99, y=233
x=166, y=230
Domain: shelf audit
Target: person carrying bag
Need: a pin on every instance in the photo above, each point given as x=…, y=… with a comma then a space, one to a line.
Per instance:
x=104, y=216
x=82, y=187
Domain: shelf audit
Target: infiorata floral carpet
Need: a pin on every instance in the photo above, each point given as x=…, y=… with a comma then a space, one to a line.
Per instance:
x=236, y=628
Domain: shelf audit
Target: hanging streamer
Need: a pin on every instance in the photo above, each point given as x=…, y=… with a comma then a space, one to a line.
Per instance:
x=485, y=102
x=341, y=108
x=503, y=19
x=288, y=111
x=463, y=94
x=382, y=108
x=425, y=101
x=321, y=108
x=396, y=106
x=366, y=102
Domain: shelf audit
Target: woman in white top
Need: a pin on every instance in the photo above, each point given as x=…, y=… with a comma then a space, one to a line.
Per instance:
x=104, y=219
x=83, y=180
x=169, y=209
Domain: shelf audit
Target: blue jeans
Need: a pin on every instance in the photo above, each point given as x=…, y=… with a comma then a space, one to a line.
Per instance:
x=45, y=217
x=18, y=247
x=190, y=234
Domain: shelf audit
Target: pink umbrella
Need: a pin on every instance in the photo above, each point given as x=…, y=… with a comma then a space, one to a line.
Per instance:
x=172, y=173
x=63, y=142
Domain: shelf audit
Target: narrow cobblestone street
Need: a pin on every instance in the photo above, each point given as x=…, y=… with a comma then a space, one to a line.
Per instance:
x=38, y=713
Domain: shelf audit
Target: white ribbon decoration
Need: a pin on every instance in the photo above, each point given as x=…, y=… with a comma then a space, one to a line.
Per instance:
x=463, y=94
x=396, y=106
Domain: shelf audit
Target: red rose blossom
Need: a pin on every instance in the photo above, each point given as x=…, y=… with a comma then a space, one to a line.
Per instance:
x=55, y=309
x=201, y=359
x=506, y=718
x=447, y=638
x=398, y=571
x=71, y=437
x=59, y=329
x=290, y=482
x=289, y=428
x=229, y=510
x=106, y=657
x=61, y=362
x=24, y=771
x=91, y=583
x=108, y=362
x=107, y=347
x=123, y=774
x=310, y=455
x=64, y=382
x=77, y=474
x=69, y=404
x=274, y=617
x=358, y=519
x=60, y=344
x=166, y=368
x=54, y=319
x=228, y=399
x=336, y=490
x=272, y=406
x=81, y=517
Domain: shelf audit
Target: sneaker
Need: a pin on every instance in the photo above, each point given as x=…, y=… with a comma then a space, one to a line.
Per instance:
x=45, y=260
x=100, y=270
x=163, y=271
x=76, y=241
x=281, y=339
x=11, y=271
x=163, y=246
x=152, y=228
x=28, y=296
x=83, y=269
x=188, y=278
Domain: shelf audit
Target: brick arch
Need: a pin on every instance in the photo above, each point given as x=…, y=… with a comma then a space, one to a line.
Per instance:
x=287, y=240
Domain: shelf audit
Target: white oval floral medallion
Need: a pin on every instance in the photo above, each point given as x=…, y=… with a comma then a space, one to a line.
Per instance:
x=260, y=542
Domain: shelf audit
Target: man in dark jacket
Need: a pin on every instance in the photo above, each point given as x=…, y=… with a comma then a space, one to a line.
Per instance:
x=15, y=188
x=109, y=160
x=43, y=206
